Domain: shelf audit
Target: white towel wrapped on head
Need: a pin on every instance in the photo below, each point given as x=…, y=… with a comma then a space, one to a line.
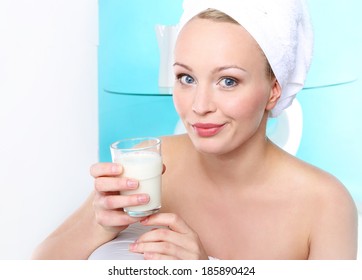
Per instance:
x=283, y=30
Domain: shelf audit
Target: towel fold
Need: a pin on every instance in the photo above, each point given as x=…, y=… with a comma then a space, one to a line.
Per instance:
x=283, y=30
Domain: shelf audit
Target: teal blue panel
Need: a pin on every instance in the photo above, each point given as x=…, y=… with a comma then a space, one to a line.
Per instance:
x=126, y=116
x=336, y=27
x=332, y=130
x=128, y=45
x=129, y=58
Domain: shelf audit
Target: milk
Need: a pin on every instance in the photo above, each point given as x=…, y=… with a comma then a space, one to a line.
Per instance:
x=147, y=168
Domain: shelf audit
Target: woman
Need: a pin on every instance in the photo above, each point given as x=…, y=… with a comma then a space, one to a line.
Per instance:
x=228, y=191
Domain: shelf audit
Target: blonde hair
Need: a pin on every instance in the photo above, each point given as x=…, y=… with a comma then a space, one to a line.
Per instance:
x=218, y=16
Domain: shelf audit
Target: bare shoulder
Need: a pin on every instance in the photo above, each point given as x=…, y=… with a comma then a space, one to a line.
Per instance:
x=333, y=213
x=325, y=187
x=317, y=184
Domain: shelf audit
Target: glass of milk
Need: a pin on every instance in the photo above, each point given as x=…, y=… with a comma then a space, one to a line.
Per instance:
x=141, y=159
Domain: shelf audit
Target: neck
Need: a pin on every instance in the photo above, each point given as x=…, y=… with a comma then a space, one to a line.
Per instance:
x=248, y=164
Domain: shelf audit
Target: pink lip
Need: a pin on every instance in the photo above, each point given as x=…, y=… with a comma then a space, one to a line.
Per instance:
x=207, y=129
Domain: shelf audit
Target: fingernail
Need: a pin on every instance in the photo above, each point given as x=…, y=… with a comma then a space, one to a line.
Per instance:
x=132, y=184
x=143, y=198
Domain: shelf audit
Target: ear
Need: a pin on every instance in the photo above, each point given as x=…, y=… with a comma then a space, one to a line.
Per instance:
x=275, y=93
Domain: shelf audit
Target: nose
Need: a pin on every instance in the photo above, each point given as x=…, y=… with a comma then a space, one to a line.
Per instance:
x=203, y=102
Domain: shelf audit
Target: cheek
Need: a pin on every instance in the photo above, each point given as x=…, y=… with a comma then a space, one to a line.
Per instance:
x=180, y=102
x=245, y=106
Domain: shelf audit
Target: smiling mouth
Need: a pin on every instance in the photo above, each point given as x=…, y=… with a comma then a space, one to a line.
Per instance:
x=207, y=129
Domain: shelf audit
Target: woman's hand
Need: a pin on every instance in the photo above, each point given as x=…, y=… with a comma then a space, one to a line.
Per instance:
x=108, y=201
x=175, y=240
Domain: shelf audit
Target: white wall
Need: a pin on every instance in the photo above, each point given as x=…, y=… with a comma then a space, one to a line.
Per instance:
x=48, y=116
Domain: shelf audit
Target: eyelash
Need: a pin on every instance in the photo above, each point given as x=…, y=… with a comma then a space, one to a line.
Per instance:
x=179, y=77
x=235, y=82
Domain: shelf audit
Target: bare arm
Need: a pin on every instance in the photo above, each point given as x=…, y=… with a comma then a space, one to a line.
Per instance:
x=334, y=232
x=97, y=221
x=76, y=238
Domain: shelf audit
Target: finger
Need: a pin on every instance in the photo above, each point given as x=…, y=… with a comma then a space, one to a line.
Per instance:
x=111, y=184
x=156, y=250
x=106, y=169
x=173, y=221
x=115, y=219
x=121, y=201
x=158, y=235
x=156, y=256
x=165, y=235
x=178, y=233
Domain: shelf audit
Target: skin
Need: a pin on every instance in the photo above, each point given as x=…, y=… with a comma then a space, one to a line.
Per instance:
x=228, y=192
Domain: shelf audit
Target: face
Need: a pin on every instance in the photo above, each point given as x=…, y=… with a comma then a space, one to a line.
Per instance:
x=222, y=92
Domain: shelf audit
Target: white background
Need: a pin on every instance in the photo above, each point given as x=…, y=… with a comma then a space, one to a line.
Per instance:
x=48, y=116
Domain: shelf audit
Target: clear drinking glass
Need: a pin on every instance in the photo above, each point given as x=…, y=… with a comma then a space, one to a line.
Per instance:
x=141, y=159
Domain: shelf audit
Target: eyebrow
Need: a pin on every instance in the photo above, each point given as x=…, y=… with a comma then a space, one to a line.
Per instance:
x=182, y=65
x=222, y=68
x=218, y=69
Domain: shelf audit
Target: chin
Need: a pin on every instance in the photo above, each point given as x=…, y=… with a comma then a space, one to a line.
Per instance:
x=210, y=146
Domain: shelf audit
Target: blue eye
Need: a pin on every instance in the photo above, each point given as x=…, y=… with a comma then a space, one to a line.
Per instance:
x=186, y=79
x=228, y=82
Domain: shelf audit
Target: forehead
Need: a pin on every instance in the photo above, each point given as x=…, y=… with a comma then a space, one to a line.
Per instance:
x=205, y=36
